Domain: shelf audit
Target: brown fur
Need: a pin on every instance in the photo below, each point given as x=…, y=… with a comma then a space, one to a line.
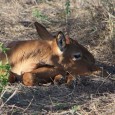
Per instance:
x=40, y=61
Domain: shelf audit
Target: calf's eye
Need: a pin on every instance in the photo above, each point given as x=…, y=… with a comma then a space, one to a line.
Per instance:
x=77, y=56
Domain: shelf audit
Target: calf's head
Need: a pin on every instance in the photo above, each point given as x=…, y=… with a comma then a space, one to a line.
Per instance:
x=71, y=55
x=75, y=58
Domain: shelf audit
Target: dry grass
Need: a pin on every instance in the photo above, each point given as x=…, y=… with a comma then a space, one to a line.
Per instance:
x=92, y=24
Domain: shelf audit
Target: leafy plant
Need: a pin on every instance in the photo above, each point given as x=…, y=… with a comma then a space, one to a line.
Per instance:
x=4, y=68
x=36, y=13
x=67, y=15
x=74, y=110
x=67, y=9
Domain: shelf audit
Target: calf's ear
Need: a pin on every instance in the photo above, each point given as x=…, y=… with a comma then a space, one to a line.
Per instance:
x=61, y=41
x=43, y=32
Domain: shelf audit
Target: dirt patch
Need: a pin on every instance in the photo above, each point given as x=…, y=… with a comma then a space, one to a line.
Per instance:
x=56, y=99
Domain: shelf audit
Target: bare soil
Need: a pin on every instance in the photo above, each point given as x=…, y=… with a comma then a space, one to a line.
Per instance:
x=91, y=23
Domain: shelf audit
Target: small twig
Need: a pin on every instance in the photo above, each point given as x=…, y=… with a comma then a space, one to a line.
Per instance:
x=103, y=82
x=51, y=100
x=28, y=104
x=14, y=106
x=9, y=98
x=2, y=93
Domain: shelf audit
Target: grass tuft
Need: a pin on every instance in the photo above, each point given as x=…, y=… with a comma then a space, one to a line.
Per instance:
x=4, y=69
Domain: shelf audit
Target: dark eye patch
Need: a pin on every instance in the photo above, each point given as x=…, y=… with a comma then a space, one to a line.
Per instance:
x=77, y=56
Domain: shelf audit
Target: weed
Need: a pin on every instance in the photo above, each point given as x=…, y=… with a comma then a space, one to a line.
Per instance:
x=4, y=69
x=61, y=105
x=67, y=13
x=67, y=9
x=74, y=110
x=37, y=14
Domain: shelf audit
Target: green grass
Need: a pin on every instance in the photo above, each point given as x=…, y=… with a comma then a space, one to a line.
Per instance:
x=74, y=110
x=67, y=9
x=67, y=15
x=4, y=69
x=38, y=15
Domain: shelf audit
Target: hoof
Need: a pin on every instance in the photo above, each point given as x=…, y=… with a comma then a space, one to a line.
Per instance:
x=71, y=84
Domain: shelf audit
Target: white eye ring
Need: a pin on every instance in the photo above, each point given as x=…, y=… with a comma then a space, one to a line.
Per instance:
x=77, y=56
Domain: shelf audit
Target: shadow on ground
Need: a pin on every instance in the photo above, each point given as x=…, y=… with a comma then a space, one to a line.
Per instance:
x=53, y=98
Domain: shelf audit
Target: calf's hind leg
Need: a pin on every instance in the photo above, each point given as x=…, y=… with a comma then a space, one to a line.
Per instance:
x=43, y=75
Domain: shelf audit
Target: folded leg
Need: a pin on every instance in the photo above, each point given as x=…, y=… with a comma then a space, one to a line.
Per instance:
x=43, y=75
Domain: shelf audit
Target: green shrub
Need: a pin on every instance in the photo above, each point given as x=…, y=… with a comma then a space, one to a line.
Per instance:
x=4, y=69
